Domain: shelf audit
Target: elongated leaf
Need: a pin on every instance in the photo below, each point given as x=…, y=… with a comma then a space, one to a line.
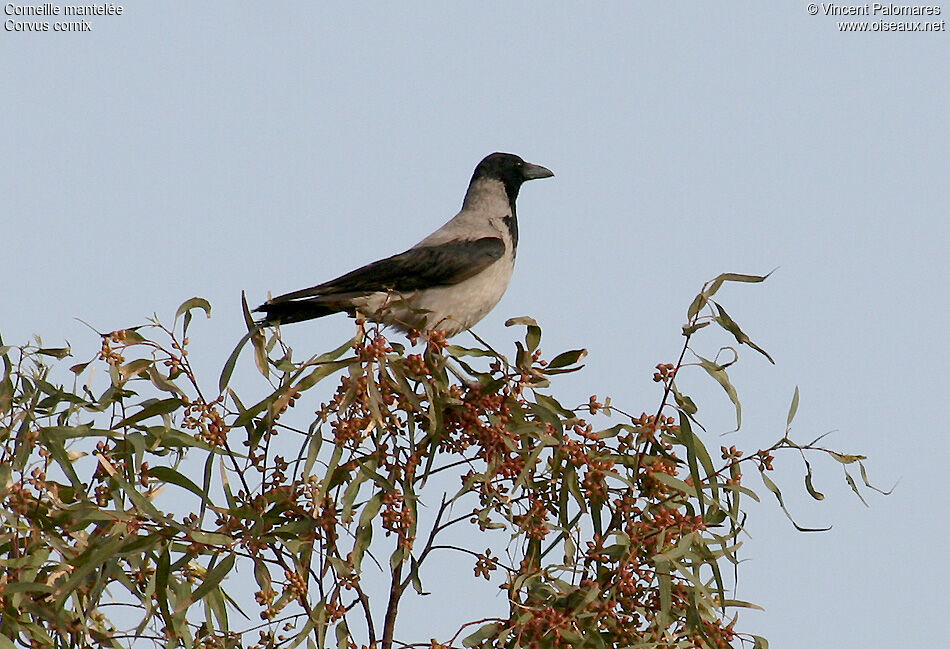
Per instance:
x=738, y=603
x=364, y=530
x=846, y=459
x=675, y=483
x=484, y=632
x=342, y=635
x=854, y=488
x=867, y=482
x=665, y=585
x=260, y=352
x=162, y=383
x=154, y=407
x=778, y=495
x=89, y=561
x=135, y=367
x=696, y=453
x=55, y=352
x=246, y=312
x=228, y=368
x=215, y=601
x=686, y=404
x=320, y=372
x=817, y=495
x=166, y=474
x=457, y=351
x=212, y=579
x=567, y=358
x=554, y=406
x=187, y=306
x=792, y=409
x=532, y=336
x=719, y=373
x=211, y=538
x=313, y=448
x=194, y=303
x=712, y=287
x=732, y=327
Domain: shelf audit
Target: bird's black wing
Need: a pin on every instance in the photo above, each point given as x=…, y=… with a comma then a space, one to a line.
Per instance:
x=417, y=268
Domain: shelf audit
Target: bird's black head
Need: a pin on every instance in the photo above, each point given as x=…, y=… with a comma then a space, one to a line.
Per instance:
x=509, y=169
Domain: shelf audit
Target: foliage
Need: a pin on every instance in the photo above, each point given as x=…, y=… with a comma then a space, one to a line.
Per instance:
x=604, y=528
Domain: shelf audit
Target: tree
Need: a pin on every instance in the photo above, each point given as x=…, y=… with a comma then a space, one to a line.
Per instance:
x=135, y=509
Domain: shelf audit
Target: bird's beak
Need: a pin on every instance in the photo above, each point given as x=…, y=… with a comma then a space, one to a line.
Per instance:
x=531, y=172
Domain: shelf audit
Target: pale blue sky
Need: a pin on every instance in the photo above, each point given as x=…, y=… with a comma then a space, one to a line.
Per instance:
x=204, y=149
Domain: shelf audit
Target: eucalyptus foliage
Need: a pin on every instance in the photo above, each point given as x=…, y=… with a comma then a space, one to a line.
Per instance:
x=135, y=507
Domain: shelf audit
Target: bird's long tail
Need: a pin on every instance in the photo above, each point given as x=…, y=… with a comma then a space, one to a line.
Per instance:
x=300, y=310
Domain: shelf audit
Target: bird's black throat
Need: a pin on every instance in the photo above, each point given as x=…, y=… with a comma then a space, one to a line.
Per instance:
x=512, y=187
x=510, y=171
x=512, y=223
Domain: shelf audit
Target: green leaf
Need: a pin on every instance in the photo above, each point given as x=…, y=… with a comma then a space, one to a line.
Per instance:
x=166, y=474
x=261, y=574
x=854, y=488
x=484, y=632
x=867, y=482
x=135, y=367
x=736, y=277
x=260, y=352
x=151, y=408
x=730, y=325
x=532, y=337
x=162, y=383
x=685, y=403
x=212, y=579
x=738, y=603
x=817, y=495
x=778, y=495
x=666, y=586
x=846, y=459
x=552, y=404
x=140, y=501
x=718, y=372
x=521, y=320
x=457, y=351
x=364, y=530
x=228, y=368
x=342, y=635
x=216, y=603
x=187, y=306
x=792, y=409
x=712, y=286
x=675, y=483
x=87, y=562
x=194, y=303
x=246, y=312
x=690, y=329
x=56, y=352
x=567, y=358
x=211, y=538
x=313, y=448
x=696, y=450
x=319, y=373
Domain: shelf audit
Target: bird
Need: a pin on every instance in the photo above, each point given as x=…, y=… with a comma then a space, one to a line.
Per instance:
x=448, y=281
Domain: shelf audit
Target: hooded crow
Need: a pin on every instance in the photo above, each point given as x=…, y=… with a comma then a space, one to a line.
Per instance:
x=448, y=281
